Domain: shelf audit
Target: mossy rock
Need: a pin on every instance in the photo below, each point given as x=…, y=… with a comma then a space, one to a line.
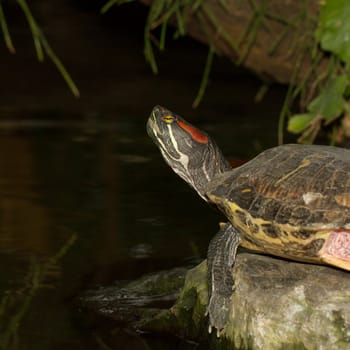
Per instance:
x=276, y=304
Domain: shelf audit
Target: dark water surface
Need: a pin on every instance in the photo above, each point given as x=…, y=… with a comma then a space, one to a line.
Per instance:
x=88, y=168
x=106, y=183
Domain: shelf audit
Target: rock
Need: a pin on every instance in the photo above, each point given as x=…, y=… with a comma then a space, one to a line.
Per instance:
x=276, y=304
x=287, y=305
x=134, y=303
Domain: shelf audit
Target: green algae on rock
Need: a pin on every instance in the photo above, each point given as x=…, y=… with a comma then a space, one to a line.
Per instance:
x=277, y=304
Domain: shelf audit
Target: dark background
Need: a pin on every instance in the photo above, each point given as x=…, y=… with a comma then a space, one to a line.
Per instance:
x=86, y=166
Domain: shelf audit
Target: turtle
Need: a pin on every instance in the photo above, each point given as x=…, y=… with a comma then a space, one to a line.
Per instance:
x=290, y=201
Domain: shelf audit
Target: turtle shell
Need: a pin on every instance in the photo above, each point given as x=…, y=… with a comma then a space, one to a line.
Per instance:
x=292, y=201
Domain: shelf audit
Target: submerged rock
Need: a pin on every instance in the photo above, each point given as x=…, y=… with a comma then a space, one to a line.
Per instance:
x=137, y=302
x=276, y=304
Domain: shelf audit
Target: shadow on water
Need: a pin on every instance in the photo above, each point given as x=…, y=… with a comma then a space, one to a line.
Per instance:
x=88, y=168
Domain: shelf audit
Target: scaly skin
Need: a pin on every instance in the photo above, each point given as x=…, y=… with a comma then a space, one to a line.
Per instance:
x=221, y=258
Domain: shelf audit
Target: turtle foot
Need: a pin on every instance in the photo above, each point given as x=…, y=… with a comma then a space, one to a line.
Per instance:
x=221, y=258
x=218, y=311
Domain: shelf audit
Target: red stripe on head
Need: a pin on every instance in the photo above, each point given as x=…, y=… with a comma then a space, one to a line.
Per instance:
x=196, y=134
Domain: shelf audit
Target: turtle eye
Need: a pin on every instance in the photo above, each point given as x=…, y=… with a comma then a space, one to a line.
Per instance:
x=168, y=119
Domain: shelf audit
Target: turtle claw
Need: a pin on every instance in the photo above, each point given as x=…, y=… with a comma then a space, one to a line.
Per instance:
x=210, y=327
x=218, y=311
x=218, y=332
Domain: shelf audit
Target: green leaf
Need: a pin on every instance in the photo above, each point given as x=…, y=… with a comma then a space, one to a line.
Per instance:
x=330, y=103
x=299, y=122
x=333, y=31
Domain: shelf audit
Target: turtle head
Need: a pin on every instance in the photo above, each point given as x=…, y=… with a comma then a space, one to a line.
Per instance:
x=190, y=152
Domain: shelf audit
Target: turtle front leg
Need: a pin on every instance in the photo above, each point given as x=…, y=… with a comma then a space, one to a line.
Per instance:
x=221, y=258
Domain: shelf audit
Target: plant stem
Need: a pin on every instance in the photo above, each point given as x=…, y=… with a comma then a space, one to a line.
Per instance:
x=205, y=77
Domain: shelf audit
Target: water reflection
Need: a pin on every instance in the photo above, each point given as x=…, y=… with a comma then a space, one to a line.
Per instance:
x=19, y=198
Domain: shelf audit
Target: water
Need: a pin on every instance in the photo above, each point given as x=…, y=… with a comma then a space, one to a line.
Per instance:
x=107, y=183
x=95, y=181
x=89, y=169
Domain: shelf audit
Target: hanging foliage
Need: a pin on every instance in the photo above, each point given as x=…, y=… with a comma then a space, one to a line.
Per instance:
x=41, y=44
x=333, y=36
